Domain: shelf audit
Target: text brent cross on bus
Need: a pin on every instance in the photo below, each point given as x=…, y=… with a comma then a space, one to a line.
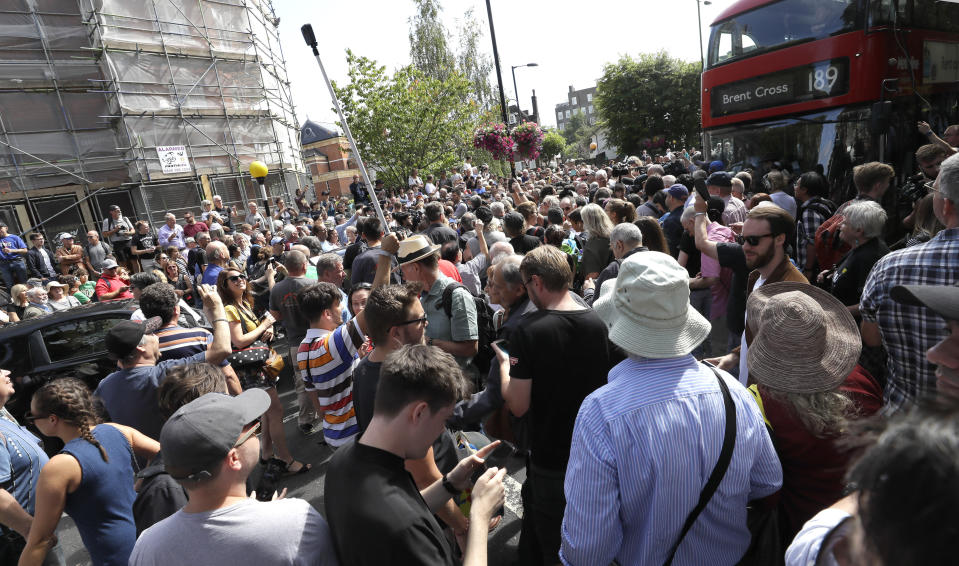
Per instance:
x=760, y=92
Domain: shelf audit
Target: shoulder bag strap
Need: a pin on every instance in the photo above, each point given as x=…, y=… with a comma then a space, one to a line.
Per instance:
x=719, y=470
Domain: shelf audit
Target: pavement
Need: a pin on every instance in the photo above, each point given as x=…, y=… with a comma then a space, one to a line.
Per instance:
x=503, y=540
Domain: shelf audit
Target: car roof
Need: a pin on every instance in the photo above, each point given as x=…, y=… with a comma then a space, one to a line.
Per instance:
x=122, y=309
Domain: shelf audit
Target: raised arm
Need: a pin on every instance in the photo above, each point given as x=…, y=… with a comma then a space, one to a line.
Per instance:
x=213, y=308
x=699, y=231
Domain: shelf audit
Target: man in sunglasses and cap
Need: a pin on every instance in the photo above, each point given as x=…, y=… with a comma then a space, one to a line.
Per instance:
x=210, y=446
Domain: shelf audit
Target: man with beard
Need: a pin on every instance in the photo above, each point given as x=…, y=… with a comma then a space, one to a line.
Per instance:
x=762, y=253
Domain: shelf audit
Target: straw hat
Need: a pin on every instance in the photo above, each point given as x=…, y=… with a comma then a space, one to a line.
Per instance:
x=415, y=248
x=806, y=341
x=647, y=308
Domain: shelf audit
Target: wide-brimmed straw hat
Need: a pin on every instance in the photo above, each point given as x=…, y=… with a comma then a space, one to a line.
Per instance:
x=806, y=341
x=415, y=248
x=647, y=308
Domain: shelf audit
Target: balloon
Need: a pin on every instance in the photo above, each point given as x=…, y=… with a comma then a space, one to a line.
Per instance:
x=592, y=146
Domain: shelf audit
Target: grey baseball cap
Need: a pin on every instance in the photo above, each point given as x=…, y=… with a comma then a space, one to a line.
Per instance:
x=201, y=433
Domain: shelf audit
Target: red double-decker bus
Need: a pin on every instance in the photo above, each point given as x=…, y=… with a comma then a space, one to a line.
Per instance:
x=829, y=84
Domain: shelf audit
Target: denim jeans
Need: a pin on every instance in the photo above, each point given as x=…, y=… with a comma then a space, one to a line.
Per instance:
x=13, y=272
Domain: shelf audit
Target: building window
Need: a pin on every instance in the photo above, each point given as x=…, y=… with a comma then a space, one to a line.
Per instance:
x=559, y=116
x=590, y=108
x=567, y=114
x=592, y=120
x=562, y=126
x=572, y=101
x=589, y=97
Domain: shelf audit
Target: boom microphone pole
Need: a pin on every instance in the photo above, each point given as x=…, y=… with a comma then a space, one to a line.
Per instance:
x=310, y=39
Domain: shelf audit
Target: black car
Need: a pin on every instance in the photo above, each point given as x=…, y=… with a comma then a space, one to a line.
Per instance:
x=68, y=343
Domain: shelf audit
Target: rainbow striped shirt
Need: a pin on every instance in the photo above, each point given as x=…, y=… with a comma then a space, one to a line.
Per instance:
x=325, y=360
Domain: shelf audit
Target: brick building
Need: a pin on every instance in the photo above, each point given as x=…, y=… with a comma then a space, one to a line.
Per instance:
x=326, y=155
x=577, y=102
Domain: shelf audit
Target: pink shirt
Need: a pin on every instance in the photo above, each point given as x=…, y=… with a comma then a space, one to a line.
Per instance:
x=709, y=267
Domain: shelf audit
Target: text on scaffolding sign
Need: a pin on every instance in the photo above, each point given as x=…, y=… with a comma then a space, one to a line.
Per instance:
x=173, y=159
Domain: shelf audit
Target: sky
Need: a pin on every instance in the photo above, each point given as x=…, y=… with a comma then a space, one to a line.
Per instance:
x=571, y=41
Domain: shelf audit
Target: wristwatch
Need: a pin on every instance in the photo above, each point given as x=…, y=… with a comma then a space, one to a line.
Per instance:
x=448, y=486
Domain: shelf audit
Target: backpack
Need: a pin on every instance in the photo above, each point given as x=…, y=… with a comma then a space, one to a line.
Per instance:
x=829, y=247
x=484, y=323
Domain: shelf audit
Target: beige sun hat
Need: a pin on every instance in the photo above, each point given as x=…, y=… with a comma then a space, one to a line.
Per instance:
x=415, y=248
x=647, y=308
x=806, y=341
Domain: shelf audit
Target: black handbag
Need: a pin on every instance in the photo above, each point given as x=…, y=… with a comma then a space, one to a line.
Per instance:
x=255, y=354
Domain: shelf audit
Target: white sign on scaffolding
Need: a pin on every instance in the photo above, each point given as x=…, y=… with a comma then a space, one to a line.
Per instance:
x=173, y=159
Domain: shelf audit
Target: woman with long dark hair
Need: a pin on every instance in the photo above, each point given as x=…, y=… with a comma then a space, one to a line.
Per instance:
x=91, y=478
x=234, y=290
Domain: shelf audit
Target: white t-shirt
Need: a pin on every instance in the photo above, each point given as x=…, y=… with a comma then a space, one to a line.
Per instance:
x=429, y=188
x=805, y=547
x=744, y=349
x=254, y=533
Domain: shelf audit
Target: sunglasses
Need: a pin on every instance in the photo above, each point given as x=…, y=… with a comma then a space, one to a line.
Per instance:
x=235, y=278
x=414, y=321
x=754, y=240
x=30, y=417
x=248, y=435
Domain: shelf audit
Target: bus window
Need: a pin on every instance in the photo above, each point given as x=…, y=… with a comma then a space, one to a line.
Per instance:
x=780, y=24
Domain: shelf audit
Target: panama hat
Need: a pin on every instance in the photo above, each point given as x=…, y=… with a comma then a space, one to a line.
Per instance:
x=806, y=340
x=647, y=310
x=415, y=248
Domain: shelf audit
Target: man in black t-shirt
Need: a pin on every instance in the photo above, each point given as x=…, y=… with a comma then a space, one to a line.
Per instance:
x=144, y=245
x=376, y=513
x=557, y=356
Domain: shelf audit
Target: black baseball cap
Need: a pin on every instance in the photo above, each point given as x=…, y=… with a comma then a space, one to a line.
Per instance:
x=123, y=338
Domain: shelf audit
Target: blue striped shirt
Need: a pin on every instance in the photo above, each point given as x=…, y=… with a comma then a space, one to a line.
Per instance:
x=643, y=448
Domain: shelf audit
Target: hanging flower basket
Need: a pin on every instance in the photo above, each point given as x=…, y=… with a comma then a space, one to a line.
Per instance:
x=495, y=139
x=528, y=138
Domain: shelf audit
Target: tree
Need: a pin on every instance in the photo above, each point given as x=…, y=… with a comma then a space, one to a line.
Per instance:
x=578, y=135
x=431, y=51
x=553, y=144
x=654, y=95
x=406, y=120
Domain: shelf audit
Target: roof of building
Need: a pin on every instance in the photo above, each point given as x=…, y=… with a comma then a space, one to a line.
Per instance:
x=313, y=132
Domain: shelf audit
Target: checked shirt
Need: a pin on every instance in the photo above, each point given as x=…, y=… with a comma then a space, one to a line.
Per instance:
x=908, y=331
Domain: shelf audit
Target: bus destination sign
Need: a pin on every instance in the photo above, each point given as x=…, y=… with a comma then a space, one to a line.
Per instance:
x=799, y=84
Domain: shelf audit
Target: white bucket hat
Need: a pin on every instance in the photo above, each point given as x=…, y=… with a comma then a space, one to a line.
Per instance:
x=647, y=308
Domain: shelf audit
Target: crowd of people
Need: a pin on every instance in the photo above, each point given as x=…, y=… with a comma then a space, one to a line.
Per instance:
x=696, y=365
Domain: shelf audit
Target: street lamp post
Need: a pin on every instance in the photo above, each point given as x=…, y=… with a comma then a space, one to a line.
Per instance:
x=499, y=79
x=699, y=20
x=515, y=91
x=259, y=171
x=702, y=69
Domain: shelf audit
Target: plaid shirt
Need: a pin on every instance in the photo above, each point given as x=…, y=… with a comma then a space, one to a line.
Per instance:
x=908, y=331
x=810, y=219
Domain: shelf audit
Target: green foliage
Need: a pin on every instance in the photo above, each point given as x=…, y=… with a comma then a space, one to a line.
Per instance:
x=431, y=51
x=553, y=144
x=654, y=95
x=578, y=135
x=408, y=119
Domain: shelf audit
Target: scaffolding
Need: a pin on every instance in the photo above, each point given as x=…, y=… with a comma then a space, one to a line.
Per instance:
x=92, y=89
